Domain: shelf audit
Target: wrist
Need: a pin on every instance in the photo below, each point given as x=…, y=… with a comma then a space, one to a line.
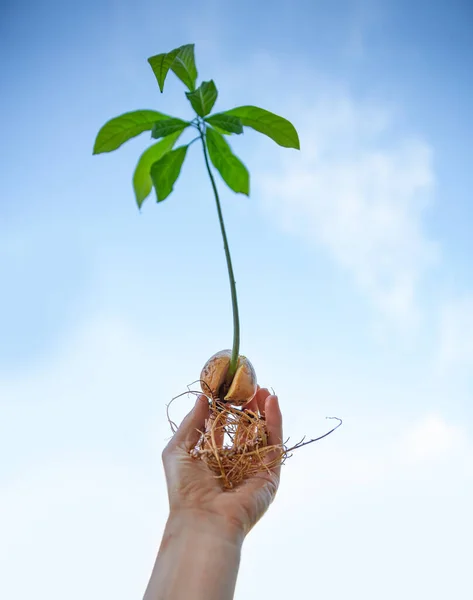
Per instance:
x=206, y=524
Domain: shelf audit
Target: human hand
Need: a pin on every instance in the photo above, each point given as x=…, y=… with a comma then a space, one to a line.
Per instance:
x=195, y=491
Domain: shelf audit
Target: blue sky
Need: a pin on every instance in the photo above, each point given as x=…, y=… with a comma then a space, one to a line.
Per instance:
x=353, y=268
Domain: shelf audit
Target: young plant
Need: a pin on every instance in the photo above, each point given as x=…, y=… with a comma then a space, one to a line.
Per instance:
x=227, y=379
x=227, y=375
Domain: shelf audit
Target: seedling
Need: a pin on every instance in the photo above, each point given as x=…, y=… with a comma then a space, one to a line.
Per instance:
x=228, y=379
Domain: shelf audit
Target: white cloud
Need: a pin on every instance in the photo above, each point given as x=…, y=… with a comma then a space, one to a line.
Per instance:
x=73, y=525
x=379, y=451
x=360, y=190
x=433, y=439
x=375, y=494
x=78, y=510
x=82, y=493
x=103, y=384
x=456, y=334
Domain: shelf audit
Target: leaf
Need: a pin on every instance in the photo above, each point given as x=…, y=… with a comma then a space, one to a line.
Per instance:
x=181, y=61
x=142, y=182
x=204, y=97
x=120, y=129
x=232, y=170
x=166, y=170
x=161, y=63
x=184, y=66
x=225, y=123
x=278, y=129
x=164, y=128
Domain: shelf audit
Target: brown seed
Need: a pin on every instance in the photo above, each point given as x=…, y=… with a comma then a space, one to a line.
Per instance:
x=239, y=390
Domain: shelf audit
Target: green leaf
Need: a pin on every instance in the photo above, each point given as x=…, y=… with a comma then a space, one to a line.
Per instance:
x=142, y=182
x=164, y=128
x=184, y=66
x=166, y=170
x=120, y=129
x=278, y=129
x=181, y=60
x=161, y=63
x=204, y=97
x=225, y=123
x=232, y=170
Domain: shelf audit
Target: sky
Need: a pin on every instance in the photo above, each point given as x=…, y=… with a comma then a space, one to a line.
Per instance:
x=353, y=268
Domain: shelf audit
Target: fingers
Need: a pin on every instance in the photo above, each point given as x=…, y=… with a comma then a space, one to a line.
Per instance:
x=218, y=424
x=274, y=427
x=273, y=420
x=252, y=404
x=256, y=404
x=268, y=407
x=188, y=433
x=261, y=398
x=267, y=481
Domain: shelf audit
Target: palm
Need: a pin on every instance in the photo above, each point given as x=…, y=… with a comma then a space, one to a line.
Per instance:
x=192, y=485
x=199, y=487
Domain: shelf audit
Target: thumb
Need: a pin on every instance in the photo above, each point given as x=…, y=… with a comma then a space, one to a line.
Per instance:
x=189, y=431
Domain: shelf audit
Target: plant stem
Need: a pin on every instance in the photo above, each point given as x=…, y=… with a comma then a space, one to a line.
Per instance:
x=236, y=320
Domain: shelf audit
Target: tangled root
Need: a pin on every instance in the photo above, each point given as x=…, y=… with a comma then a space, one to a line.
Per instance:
x=235, y=443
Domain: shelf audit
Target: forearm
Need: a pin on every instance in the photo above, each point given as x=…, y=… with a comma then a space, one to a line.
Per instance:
x=198, y=558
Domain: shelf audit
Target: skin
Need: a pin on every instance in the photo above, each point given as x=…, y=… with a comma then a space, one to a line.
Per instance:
x=200, y=551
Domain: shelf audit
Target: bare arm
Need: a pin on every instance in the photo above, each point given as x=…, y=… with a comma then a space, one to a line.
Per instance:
x=198, y=558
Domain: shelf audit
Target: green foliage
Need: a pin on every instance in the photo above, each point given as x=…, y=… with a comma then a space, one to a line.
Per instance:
x=232, y=170
x=164, y=128
x=119, y=130
x=277, y=128
x=160, y=165
x=204, y=97
x=161, y=63
x=142, y=182
x=166, y=170
x=224, y=123
x=180, y=60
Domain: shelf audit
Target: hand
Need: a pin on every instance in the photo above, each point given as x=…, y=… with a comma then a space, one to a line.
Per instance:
x=193, y=488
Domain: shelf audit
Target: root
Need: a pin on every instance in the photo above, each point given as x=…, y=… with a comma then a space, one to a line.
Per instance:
x=235, y=443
